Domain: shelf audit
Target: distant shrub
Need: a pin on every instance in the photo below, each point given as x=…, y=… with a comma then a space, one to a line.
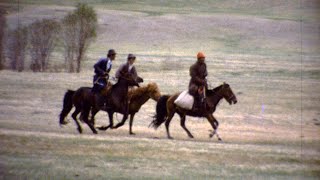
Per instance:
x=17, y=43
x=3, y=25
x=43, y=37
x=79, y=29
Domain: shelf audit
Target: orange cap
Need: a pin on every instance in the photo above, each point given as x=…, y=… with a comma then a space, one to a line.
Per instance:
x=200, y=55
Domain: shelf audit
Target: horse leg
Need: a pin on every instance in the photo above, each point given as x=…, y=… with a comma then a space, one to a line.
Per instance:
x=125, y=111
x=214, y=123
x=104, y=128
x=86, y=113
x=94, y=111
x=110, y=120
x=182, y=123
x=167, y=125
x=125, y=117
x=130, y=124
x=74, y=116
x=217, y=125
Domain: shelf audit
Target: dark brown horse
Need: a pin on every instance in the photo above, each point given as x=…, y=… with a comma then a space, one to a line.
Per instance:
x=166, y=109
x=84, y=99
x=137, y=97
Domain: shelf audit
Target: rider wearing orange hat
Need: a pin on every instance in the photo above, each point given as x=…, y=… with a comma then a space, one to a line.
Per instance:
x=200, y=55
x=198, y=83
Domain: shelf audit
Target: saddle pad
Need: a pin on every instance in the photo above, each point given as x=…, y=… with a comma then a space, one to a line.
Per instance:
x=185, y=100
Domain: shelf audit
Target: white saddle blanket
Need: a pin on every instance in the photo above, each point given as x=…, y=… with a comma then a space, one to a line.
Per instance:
x=185, y=100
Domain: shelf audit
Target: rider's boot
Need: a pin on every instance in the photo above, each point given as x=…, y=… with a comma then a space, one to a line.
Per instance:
x=197, y=105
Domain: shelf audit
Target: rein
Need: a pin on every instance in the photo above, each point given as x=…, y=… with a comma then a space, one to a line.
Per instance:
x=126, y=79
x=101, y=77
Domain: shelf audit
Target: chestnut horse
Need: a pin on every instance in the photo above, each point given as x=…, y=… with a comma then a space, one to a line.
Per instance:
x=137, y=97
x=166, y=109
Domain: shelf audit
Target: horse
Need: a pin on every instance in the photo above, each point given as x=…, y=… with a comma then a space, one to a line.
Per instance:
x=137, y=97
x=84, y=99
x=166, y=109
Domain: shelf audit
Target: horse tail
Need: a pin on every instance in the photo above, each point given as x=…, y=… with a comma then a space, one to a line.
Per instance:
x=67, y=105
x=161, y=112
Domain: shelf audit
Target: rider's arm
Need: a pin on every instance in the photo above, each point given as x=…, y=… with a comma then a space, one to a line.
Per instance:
x=206, y=72
x=97, y=67
x=195, y=77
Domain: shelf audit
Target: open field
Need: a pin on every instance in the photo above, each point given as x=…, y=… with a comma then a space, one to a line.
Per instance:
x=261, y=48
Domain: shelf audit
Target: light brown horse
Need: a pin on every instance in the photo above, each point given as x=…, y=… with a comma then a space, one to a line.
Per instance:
x=137, y=97
x=166, y=109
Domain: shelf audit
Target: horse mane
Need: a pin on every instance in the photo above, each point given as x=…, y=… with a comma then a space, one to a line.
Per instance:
x=138, y=92
x=216, y=89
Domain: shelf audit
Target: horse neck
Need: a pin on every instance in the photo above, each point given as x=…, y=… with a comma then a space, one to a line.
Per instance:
x=214, y=99
x=121, y=88
x=140, y=98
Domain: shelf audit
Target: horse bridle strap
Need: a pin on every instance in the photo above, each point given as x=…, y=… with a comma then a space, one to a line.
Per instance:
x=125, y=78
x=222, y=96
x=231, y=97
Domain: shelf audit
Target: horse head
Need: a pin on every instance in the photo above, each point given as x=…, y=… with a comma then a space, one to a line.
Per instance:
x=153, y=91
x=226, y=92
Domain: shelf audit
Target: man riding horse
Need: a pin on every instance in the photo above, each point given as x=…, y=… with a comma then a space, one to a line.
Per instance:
x=198, y=82
x=129, y=68
x=101, y=77
x=102, y=69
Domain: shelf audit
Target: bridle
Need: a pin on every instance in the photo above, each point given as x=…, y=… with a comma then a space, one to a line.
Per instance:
x=229, y=99
x=221, y=96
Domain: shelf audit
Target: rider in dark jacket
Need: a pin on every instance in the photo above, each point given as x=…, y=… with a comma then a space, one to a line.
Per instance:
x=198, y=83
x=102, y=69
x=101, y=77
x=128, y=67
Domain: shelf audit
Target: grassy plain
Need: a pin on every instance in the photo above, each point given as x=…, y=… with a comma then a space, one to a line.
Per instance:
x=261, y=48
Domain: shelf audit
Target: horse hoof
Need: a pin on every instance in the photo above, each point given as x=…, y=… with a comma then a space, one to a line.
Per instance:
x=95, y=132
x=170, y=137
x=191, y=137
x=64, y=122
x=103, y=128
x=132, y=133
x=219, y=139
x=80, y=130
x=210, y=135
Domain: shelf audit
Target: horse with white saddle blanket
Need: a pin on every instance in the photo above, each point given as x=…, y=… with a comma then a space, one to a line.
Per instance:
x=182, y=104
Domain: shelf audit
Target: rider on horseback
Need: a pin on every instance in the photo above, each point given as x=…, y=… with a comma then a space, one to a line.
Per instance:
x=101, y=77
x=102, y=69
x=198, y=82
x=129, y=68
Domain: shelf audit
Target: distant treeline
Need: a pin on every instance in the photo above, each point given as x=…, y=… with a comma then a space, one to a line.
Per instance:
x=38, y=41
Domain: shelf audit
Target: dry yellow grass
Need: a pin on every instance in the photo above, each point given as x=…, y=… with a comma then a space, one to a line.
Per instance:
x=272, y=133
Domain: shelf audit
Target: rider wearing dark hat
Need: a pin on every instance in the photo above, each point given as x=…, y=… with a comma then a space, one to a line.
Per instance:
x=102, y=69
x=129, y=68
x=101, y=77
